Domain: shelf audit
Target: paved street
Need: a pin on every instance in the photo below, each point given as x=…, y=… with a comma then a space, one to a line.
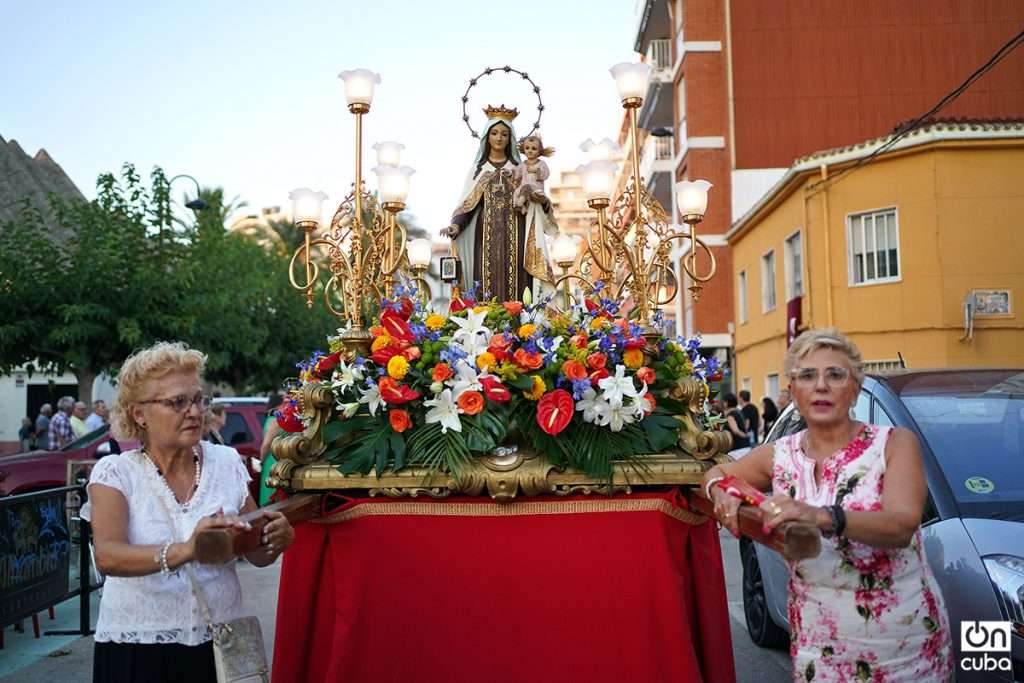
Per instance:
x=70, y=661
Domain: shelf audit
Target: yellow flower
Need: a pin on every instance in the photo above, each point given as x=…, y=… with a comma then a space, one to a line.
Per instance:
x=380, y=342
x=599, y=323
x=508, y=372
x=398, y=366
x=633, y=358
x=485, y=361
x=538, y=389
x=435, y=322
x=481, y=307
x=525, y=331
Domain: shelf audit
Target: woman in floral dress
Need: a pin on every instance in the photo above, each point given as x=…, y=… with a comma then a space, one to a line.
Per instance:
x=867, y=608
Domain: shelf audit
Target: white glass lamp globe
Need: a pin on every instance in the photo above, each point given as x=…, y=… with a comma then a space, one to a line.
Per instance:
x=419, y=252
x=598, y=179
x=388, y=153
x=393, y=183
x=631, y=78
x=563, y=250
x=307, y=205
x=692, y=197
x=359, y=85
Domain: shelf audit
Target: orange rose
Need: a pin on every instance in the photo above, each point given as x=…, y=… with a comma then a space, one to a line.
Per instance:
x=650, y=399
x=646, y=375
x=527, y=360
x=579, y=341
x=442, y=371
x=573, y=369
x=471, y=402
x=399, y=420
x=597, y=360
x=633, y=358
x=513, y=307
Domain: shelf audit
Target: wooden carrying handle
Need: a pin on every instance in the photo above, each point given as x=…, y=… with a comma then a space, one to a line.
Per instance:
x=795, y=540
x=217, y=546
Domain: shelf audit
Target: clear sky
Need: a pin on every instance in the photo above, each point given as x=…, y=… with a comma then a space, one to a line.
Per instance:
x=245, y=95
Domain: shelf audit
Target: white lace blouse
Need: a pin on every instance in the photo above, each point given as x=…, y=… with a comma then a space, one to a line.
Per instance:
x=160, y=608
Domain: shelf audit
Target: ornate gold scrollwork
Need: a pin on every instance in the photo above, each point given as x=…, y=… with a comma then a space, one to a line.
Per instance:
x=315, y=409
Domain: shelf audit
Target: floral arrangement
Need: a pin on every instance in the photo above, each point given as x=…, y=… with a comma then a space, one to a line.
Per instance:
x=583, y=387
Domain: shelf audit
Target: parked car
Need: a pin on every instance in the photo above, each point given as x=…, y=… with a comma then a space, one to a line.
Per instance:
x=971, y=427
x=38, y=470
x=26, y=472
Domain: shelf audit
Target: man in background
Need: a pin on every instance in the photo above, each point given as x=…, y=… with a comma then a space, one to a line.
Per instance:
x=61, y=432
x=751, y=415
x=78, y=413
x=43, y=427
x=99, y=416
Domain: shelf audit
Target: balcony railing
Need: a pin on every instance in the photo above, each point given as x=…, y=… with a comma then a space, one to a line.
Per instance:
x=664, y=149
x=659, y=56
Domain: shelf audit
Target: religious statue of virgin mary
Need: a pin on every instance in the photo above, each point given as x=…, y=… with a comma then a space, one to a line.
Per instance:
x=500, y=246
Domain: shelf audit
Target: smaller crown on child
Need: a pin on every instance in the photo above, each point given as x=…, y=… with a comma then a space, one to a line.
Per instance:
x=501, y=112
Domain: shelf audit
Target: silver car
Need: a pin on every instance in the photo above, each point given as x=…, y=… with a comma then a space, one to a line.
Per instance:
x=971, y=427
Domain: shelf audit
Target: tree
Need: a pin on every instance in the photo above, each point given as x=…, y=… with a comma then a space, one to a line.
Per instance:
x=87, y=292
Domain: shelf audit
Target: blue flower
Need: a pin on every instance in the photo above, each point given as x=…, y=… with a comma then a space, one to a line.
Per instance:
x=453, y=354
x=598, y=286
x=578, y=387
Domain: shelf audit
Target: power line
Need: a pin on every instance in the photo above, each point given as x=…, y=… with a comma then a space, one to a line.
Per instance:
x=903, y=130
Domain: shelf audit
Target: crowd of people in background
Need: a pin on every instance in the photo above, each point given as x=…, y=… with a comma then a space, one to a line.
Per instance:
x=52, y=430
x=748, y=424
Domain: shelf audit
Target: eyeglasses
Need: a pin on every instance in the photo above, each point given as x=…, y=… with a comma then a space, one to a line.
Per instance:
x=180, y=404
x=808, y=377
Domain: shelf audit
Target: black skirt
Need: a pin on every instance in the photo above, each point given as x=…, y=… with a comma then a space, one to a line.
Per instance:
x=153, y=663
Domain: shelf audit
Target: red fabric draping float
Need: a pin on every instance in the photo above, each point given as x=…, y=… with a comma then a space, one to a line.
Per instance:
x=586, y=588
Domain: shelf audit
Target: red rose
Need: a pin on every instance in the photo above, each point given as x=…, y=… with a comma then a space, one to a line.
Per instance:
x=495, y=390
x=288, y=418
x=526, y=360
x=598, y=375
x=579, y=341
x=394, y=393
x=646, y=375
x=412, y=353
x=554, y=411
x=597, y=360
x=513, y=307
x=399, y=420
x=574, y=370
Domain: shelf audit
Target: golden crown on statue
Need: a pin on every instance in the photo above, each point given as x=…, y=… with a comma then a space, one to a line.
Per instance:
x=501, y=112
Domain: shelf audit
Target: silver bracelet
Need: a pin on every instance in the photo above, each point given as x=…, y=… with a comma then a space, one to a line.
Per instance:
x=164, y=567
x=711, y=482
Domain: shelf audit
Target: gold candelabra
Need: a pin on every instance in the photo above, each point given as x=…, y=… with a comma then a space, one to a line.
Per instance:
x=631, y=248
x=365, y=243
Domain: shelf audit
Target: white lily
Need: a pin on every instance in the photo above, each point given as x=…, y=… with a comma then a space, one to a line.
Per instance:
x=443, y=410
x=345, y=376
x=473, y=345
x=615, y=387
x=347, y=410
x=371, y=397
x=470, y=326
x=638, y=404
x=465, y=379
x=614, y=415
x=588, y=404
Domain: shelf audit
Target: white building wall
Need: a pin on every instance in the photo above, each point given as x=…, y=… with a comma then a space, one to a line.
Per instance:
x=749, y=185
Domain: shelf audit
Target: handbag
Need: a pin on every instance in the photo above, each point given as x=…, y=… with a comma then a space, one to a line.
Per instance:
x=238, y=651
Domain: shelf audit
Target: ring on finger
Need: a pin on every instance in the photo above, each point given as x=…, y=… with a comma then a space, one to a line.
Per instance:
x=775, y=509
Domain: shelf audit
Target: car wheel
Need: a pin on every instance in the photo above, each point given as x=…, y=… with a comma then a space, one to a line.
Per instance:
x=763, y=631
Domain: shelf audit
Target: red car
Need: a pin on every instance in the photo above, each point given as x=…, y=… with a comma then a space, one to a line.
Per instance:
x=39, y=470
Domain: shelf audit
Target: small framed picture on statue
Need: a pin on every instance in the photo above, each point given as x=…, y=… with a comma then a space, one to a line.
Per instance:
x=451, y=269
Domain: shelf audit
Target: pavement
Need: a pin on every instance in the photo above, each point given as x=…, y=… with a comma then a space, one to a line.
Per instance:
x=68, y=659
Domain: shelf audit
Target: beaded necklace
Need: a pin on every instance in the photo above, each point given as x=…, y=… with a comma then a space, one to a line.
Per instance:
x=183, y=505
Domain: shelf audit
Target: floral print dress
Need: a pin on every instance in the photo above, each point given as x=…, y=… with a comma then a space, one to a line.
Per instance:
x=856, y=612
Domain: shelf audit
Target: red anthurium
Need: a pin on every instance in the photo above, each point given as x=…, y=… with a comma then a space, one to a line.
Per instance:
x=288, y=419
x=554, y=411
x=382, y=356
x=394, y=393
x=396, y=327
x=327, y=363
x=598, y=375
x=461, y=305
x=405, y=307
x=636, y=343
x=495, y=390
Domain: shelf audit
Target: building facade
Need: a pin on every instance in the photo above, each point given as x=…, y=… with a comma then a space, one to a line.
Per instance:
x=915, y=255
x=742, y=88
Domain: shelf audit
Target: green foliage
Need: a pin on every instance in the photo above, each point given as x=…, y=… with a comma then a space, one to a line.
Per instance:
x=118, y=273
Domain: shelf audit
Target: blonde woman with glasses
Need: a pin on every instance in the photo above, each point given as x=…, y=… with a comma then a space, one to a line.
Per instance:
x=868, y=607
x=147, y=506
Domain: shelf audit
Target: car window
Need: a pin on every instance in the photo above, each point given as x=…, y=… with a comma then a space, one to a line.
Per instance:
x=862, y=409
x=235, y=430
x=86, y=439
x=880, y=417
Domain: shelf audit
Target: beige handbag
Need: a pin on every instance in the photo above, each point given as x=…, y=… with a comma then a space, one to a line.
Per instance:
x=237, y=644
